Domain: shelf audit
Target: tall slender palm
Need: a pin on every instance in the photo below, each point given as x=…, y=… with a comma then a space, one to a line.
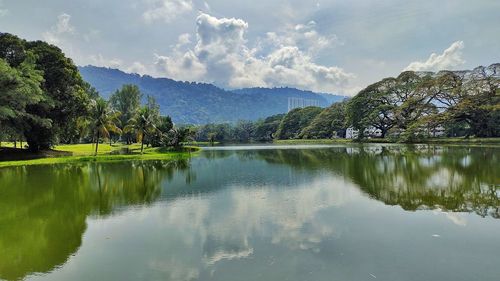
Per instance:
x=143, y=124
x=103, y=121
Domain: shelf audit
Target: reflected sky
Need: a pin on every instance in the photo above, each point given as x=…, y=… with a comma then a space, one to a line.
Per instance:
x=324, y=213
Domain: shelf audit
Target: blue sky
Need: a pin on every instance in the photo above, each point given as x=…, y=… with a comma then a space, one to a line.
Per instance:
x=329, y=46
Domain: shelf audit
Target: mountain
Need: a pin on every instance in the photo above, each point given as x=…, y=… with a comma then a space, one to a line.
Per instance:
x=201, y=103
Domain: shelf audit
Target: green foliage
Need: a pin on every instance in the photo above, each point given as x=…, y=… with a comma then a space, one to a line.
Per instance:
x=19, y=88
x=64, y=95
x=265, y=129
x=127, y=100
x=414, y=104
x=297, y=119
x=142, y=125
x=104, y=120
x=329, y=123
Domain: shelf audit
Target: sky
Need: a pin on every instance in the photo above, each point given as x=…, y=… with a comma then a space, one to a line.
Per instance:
x=332, y=46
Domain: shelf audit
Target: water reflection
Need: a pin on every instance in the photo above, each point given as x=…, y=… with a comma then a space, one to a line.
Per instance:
x=43, y=209
x=457, y=179
x=267, y=214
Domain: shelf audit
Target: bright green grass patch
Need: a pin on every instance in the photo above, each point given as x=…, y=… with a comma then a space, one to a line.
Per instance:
x=89, y=148
x=85, y=152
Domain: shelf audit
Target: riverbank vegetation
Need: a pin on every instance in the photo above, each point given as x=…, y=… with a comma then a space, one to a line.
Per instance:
x=413, y=107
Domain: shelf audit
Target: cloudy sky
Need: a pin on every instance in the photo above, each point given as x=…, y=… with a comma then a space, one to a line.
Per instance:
x=335, y=46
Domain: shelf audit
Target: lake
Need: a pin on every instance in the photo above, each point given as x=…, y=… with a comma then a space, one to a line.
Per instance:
x=340, y=212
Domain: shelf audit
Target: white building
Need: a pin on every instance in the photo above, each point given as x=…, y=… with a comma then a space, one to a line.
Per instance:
x=370, y=132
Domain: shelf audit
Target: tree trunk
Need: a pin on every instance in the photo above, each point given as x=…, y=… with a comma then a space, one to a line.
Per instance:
x=96, y=143
x=142, y=144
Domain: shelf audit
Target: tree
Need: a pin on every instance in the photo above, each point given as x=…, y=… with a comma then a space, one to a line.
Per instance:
x=243, y=131
x=103, y=121
x=65, y=96
x=266, y=129
x=160, y=136
x=296, y=120
x=142, y=125
x=331, y=121
x=127, y=100
x=178, y=136
x=19, y=88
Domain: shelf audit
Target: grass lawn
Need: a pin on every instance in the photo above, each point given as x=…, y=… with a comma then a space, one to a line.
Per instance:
x=85, y=153
x=458, y=141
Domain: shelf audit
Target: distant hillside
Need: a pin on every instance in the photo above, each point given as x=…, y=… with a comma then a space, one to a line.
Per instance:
x=200, y=103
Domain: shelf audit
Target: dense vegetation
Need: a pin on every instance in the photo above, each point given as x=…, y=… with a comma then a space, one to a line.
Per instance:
x=413, y=104
x=410, y=107
x=201, y=103
x=45, y=101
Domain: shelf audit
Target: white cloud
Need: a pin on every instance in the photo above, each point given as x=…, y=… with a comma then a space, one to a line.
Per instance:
x=134, y=67
x=137, y=67
x=166, y=10
x=305, y=36
x=100, y=60
x=60, y=29
x=449, y=59
x=221, y=54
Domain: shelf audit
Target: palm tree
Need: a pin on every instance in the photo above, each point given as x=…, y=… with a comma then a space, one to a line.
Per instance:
x=103, y=121
x=143, y=124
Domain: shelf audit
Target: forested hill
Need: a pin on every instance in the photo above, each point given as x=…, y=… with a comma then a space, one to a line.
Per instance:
x=200, y=103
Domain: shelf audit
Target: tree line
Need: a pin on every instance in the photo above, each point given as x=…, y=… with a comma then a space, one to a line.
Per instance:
x=405, y=108
x=44, y=101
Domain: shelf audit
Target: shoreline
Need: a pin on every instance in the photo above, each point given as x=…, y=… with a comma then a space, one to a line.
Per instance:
x=80, y=154
x=457, y=141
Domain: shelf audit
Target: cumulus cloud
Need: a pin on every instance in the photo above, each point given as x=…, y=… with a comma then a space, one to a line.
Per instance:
x=305, y=36
x=61, y=28
x=166, y=10
x=449, y=59
x=221, y=53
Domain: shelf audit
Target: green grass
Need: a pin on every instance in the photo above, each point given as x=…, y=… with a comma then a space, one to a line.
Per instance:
x=87, y=149
x=85, y=152
x=464, y=140
x=313, y=141
x=476, y=141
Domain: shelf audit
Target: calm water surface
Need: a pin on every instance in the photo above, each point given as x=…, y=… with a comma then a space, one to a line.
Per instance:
x=370, y=212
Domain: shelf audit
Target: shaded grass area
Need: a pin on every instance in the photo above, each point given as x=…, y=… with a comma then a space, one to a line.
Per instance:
x=84, y=153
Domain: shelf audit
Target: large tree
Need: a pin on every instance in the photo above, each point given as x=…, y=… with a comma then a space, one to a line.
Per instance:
x=19, y=88
x=329, y=123
x=65, y=94
x=296, y=120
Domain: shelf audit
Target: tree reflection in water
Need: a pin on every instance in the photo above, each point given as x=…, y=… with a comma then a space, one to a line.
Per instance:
x=458, y=179
x=43, y=209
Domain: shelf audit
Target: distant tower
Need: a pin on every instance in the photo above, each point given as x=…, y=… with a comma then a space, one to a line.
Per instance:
x=301, y=103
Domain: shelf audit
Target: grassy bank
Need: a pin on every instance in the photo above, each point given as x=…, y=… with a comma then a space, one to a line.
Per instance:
x=313, y=141
x=464, y=141
x=85, y=153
